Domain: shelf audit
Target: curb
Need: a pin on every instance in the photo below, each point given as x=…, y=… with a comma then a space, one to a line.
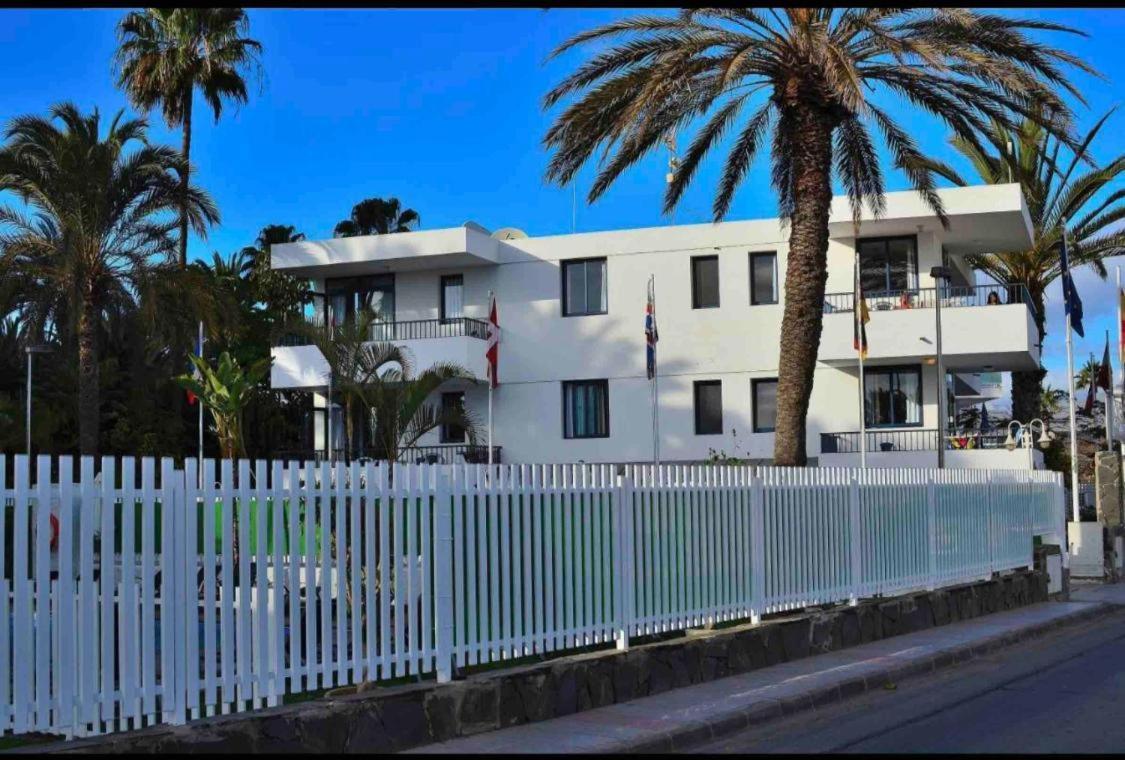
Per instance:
x=739, y=718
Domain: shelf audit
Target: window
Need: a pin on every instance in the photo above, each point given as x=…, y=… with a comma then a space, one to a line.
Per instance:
x=763, y=278
x=704, y=282
x=454, y=401
x=888, y=264
x=350, y=296
x=583, y=287
x=708, y=407
x=893, y=396
x=452, y=300
x=765, y=405
x=586, y=409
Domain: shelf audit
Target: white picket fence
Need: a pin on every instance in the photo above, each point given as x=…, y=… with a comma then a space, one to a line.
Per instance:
x=148, y=593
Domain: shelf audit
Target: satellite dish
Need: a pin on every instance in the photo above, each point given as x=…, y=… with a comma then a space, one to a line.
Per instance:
x=509, y=233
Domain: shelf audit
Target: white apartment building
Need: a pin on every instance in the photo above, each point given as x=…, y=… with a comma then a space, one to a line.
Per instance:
x=571, y=307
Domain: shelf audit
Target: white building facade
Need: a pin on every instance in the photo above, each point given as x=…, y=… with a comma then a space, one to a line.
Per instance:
x=572, y=369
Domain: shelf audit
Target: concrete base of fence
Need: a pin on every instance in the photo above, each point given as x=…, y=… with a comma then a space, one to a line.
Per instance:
x=397, y=718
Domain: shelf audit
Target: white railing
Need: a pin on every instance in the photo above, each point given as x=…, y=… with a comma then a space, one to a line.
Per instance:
x=141, y=596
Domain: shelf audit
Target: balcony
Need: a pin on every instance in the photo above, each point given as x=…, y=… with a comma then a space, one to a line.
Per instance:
x=917, y=447
x=299, y=364
x=902, y=327
x=445, y=453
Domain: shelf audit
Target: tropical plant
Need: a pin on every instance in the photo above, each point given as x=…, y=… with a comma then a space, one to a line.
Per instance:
x=1086, y=373
x=1050, y=401
x=378, y=216
x=225, y=390
x=1062, y=187
x=98, y=229
x=166, y=53
x=813, y=76
x=283, y=294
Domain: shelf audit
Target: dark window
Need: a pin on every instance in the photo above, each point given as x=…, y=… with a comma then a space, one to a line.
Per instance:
x=583, y=287
x=765, y=405
x=350, y=296
x=454, y=401
x=888, y=264
x=586, y=409
x=893, y=396
x=708, y=407
x=763, y=278
x=704, y=282
x=452, y=296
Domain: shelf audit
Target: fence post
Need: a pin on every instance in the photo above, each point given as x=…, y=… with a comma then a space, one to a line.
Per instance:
x=623, y=558
x=854, y=528
x=931, y=531
x=757, y=547
x=443, y=575
x=991, y=520
x=184, y=591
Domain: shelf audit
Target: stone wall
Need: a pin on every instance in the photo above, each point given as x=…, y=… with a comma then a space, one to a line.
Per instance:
x=397, y=718
x=1107, y=487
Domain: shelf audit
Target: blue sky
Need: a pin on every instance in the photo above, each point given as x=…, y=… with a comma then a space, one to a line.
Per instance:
x=441, y=108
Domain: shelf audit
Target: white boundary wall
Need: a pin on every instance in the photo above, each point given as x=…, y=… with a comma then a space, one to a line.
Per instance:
x=360, y=573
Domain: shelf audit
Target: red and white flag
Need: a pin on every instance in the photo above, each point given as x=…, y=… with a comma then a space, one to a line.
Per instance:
x=492, y=353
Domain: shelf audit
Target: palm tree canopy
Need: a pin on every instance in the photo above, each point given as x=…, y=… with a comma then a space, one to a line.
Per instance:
x=378, y=216
x=1063, y=186
x=746, y=69
x=98, y=219
x=165, y=53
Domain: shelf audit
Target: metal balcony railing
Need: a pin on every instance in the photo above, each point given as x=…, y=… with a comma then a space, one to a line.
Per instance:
x=925, y=298
x=415, y=329
x=445, y=453
x=914, y=439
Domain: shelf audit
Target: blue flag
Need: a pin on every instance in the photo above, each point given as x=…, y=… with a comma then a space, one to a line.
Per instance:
x=1072, y=303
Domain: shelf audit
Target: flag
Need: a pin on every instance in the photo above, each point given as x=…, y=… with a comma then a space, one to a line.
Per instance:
x=1071, y=302
x=1099, y=379
x=651, y=335
x=862, y=317
x=492, y=353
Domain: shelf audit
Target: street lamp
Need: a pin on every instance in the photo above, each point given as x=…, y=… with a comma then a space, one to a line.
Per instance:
x=31, y=350
x=1045, y=438
x=941, y=275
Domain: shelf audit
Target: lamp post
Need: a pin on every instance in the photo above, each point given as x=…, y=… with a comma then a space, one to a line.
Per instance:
x=1045, y=438
x=940, y=275
x=31, y=350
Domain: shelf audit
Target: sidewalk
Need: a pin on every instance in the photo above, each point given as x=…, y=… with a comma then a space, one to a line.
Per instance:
x=685, y=716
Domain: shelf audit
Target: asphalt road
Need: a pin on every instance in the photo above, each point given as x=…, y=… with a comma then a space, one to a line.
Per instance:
x=1064, y=692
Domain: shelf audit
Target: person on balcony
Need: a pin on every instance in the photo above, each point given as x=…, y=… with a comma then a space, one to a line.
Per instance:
x=993, y=298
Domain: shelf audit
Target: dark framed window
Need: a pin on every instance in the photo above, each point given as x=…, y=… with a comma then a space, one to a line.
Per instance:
x=348, y=296
x=764, y=394
x=585, y=408
x=584, y=287
x=452, y=297
x=708, y=407
x=452, y=401
x=704, y=282
x=888, y=264
x=893, y=396
x=763, y=278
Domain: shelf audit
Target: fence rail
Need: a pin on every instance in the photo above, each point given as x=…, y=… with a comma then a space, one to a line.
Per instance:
x=953, y=296
x=135, y=593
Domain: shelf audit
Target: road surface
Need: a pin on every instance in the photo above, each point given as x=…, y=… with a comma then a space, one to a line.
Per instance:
x=1063, y=692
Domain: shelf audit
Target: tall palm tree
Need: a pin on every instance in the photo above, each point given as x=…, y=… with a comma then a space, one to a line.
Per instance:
x=1086, y=373
x=1050, y=401
x=376, y=216
x=812, y=80
x=282, y=293
x=99, y=220
x=1071, y=190
x=166, y=53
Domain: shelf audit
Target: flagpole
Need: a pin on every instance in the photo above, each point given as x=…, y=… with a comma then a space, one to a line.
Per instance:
x=491, y=382
x=862, y=381
x=1108, y=397
x=200, y=344
x=655, y=381
x=1073, y=426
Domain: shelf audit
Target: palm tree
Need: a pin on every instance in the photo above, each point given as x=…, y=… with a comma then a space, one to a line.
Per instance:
x=1087, y=373
x=1050, y=401
x=166, y=53
x=282, y=293
x=100, y=221
x=376, y=216
x=1089, y=203
x=811, y=79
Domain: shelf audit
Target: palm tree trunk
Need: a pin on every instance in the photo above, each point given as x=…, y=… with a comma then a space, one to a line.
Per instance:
x=805, y=276
x=1027, y=387
x=89, y=396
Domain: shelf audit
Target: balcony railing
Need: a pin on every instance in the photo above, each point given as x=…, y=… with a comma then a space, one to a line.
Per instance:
x=925, y=298
x=415, y=329
x=446, y=453
x=915, y=439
